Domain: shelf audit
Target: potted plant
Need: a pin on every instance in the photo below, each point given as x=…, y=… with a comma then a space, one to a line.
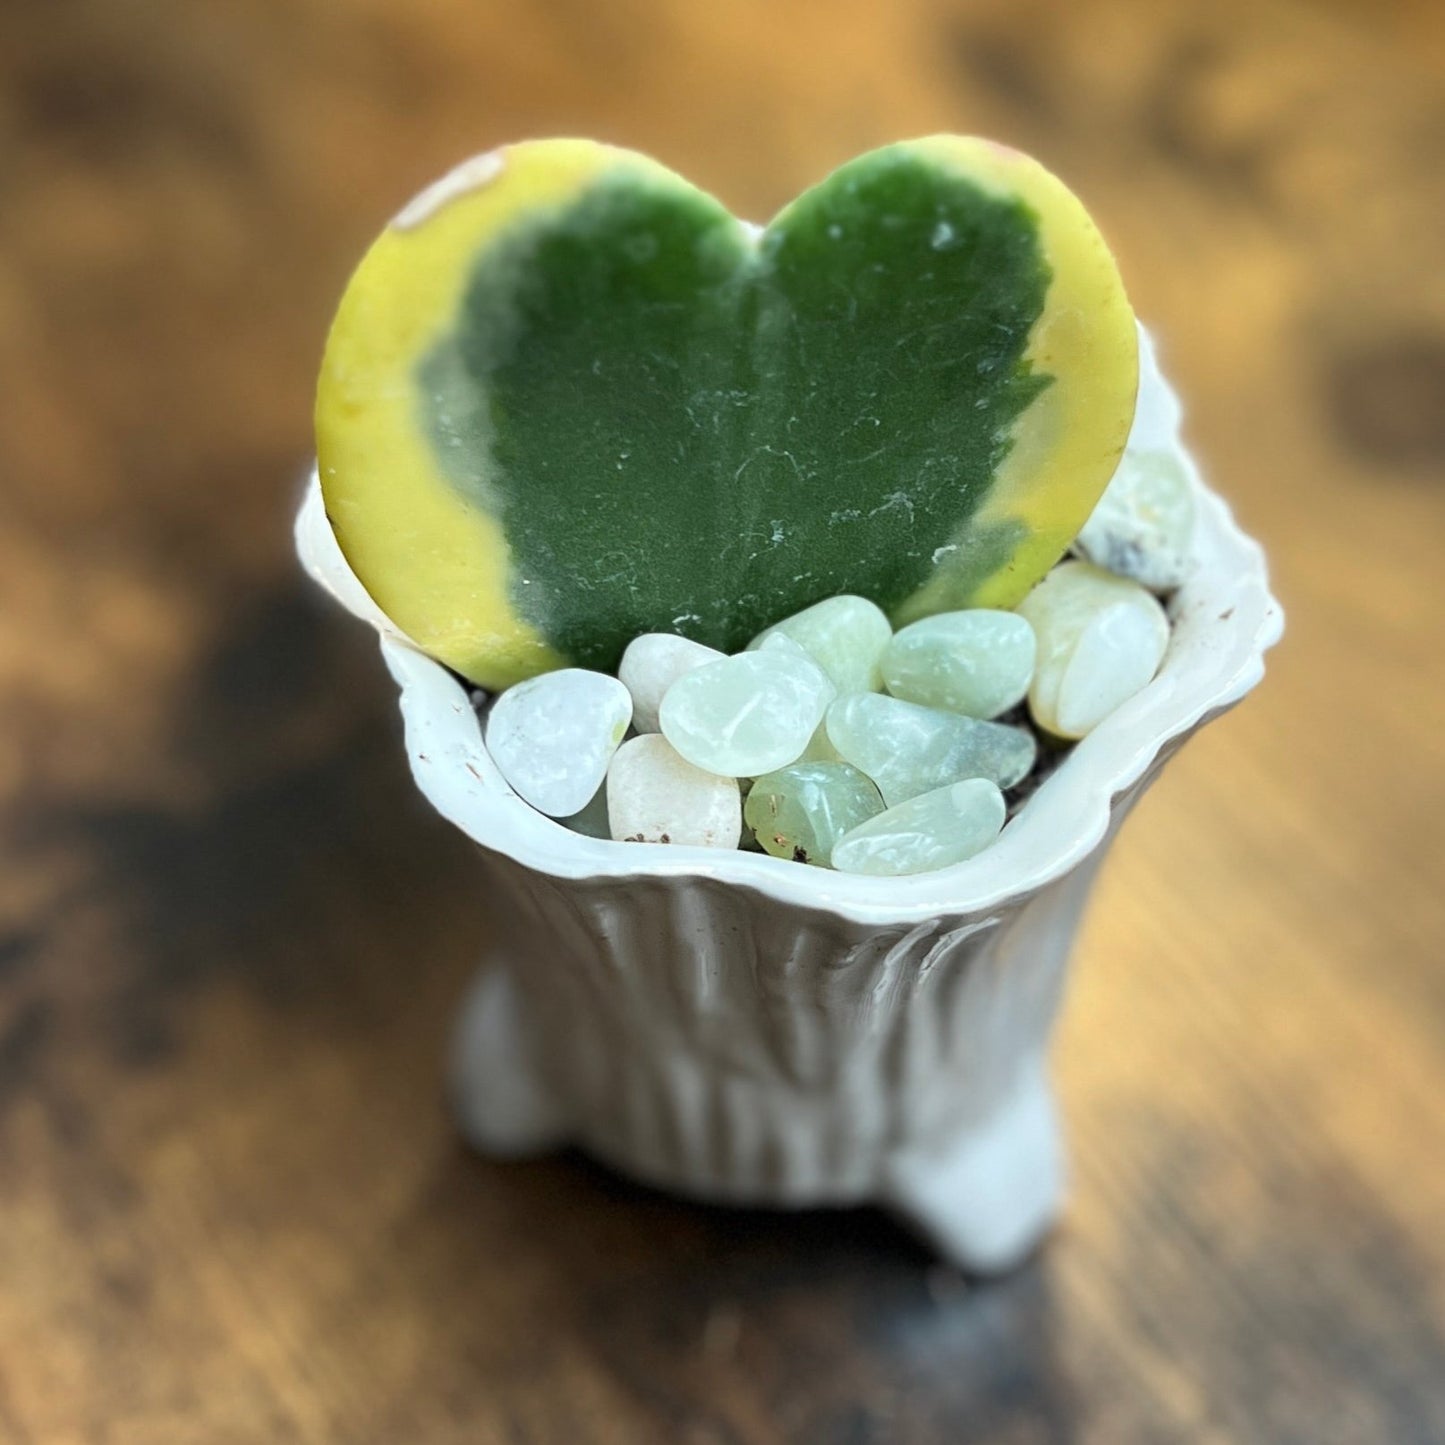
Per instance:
x=569, y=401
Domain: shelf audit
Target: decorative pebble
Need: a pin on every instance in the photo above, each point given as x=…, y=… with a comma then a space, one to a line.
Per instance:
x=551, y=737
x=747, y=715
x=1143, y=525
x=978, y=663
x=651, y=664
x=655, y=796
x=763, y=750
x=933, y=830
x=788, y=646
x=1101, y=639
x=845, y=636
x=908, y=750
x=800, y=811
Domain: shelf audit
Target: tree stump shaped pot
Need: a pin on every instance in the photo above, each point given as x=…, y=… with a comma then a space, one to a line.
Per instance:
x=742, y=1029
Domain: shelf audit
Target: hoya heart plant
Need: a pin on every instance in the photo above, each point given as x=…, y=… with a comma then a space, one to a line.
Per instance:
x=571, y=405
x=577, y=400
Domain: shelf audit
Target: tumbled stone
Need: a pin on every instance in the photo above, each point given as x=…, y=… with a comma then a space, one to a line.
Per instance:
x=908, y=750
x=844, y=635
x=1143, y=525
x=655, y=796
x=800, y=811
x=978, y=663
x=651, y=664
x=933, y=830
x=551, y=737
x=788, y=646
x=748, y=714
x=1101, y=639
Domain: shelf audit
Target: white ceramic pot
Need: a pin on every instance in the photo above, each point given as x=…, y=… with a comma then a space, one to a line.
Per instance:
x=741, y=1028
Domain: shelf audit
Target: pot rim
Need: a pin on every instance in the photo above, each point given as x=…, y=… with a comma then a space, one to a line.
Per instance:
x=1224, y=620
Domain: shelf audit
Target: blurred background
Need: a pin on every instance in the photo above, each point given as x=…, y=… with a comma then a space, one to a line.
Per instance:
x=231, y=1205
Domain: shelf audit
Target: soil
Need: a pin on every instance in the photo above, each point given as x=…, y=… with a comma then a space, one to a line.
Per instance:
x=1053, y=754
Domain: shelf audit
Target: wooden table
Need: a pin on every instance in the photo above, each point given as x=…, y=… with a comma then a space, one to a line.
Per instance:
x=232, y=1208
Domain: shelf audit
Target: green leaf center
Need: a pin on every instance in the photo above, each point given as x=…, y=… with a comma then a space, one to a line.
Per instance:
x=676, y=423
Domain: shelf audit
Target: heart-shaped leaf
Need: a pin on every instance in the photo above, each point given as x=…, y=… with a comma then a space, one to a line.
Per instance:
x=569, y=398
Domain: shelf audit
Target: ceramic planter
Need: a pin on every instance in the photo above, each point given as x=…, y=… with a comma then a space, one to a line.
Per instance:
x=739, y=1028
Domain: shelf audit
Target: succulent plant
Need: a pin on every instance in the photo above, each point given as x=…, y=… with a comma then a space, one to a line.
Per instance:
x=569, y=399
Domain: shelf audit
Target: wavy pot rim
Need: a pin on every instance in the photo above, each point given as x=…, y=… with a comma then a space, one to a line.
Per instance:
x=1224, y=620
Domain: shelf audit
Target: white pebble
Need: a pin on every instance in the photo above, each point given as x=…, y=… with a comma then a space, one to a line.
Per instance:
x=651, y=664
x=844, y=635
x=552, y=736
x=655, y=796
x=1143, y=526
x=978, y=662
x=748, y=714
x=1101, y=639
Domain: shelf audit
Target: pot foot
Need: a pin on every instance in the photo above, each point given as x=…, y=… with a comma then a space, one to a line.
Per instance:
x=500, y=1101
x=986, y=1201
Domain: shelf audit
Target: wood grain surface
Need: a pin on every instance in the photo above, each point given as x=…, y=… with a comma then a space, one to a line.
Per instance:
x=232, y=1209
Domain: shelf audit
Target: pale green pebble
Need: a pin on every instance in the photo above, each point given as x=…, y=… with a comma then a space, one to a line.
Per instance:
x=749, y=842
x=933, y=830
x=908, y=750
x=1101, y=640
x=746, y=715
x=819, y=749
x=844, y=635
x=789, y=647
x=1143, y=525
x=978, y=662
x=801, y=811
